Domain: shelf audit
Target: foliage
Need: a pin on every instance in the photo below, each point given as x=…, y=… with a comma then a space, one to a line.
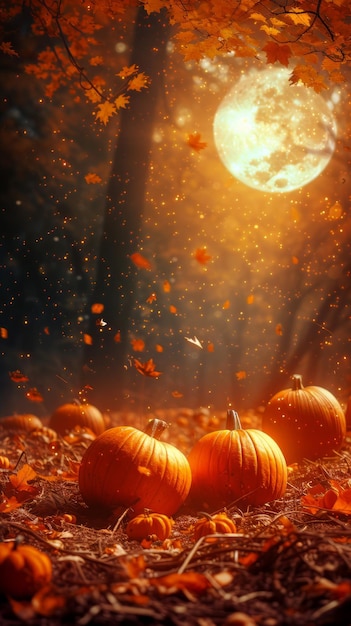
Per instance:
x=311, y=38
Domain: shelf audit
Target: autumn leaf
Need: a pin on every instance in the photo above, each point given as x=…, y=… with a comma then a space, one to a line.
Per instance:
x=226, y=304
x=166, y=286
x=105, y=111
x=20, y=480
x=202, y=256
x=172, y=309
x=152, y=297
x=6, y=48
x=279, y=329
x=194, y=141
x=3, y=333
x=138, y=82
x=128, y=70
x=122, y=101
x=250, y=298
x=334, y=498
x=18, y=377
x=146, y=369
x=138, y=345
x=140, y=261
x=193, y=582
x=308, y=76
x=92, y=179
x=88, y=340
x=97, y=308
x=158, y=347
x=277, y=52
x=34, y=395
x=240, y=375
x=299, y=16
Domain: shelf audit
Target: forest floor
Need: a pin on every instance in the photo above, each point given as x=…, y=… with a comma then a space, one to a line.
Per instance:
x=288, y=564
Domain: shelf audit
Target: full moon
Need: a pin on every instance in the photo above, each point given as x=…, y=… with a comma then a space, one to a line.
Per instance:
x=271, y=135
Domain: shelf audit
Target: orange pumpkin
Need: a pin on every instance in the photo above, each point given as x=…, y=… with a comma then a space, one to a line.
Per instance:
x=67, y=416
x=25, y=422
x=348, y=414
x=147, y=523
x=211, y=524
x=236, y=465
x=130, y=468
x=23, y=570
x=306, y=422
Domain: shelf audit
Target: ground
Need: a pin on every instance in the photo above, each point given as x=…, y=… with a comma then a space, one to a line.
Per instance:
x=287, y=564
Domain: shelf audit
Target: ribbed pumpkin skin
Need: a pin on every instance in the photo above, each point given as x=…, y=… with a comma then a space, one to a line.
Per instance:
x=219, y=523
x=141, y=526
x=306, y=422
x=127, y=467
x=25, y=422
x=71, y=414
x=23, y=570
x=231, y=465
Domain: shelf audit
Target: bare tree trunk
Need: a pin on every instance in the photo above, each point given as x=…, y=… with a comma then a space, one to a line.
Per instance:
x=105, y=360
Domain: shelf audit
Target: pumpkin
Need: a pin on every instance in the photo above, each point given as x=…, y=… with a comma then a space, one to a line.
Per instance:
x=236, y=465
x=23, y=570
x=127, y=467
x=5, y=462
x=348, y=414
x=72, y=414
x=25, y=422
x=306, y=422
x=148, y=523
x=211, y=524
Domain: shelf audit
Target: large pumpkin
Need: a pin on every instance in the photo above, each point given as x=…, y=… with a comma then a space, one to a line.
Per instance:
x=236, y=466
x=128, y=467
x=72, y=414
x=23, y=570
x=306, y=422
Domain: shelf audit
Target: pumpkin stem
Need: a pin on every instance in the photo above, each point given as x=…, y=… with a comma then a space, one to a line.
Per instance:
x=297, y=382
x=155, y=428
x=204, y=514
x=233, y=420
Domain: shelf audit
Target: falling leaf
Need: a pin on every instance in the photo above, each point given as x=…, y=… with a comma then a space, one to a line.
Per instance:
x=6, y=48
x=240, y=375
x=194, y=141
x=92, y=179
x=147, y=368
x=97, y=308
x=194, y=341
x=226, y=304
x=202, y=256
x=117, y=338
x=308, y=76
x=18, y=377
x=158, y=347
x=250, y=299
x=138, y=345
x=279, y=329
x=140, y=261
x=152, y=297
x=3, y=333
x=166, y=286
x=177, y=394
x=88, y=340
x=172, y=308
x=210, y=347
x=34, y=395
x=295, y=260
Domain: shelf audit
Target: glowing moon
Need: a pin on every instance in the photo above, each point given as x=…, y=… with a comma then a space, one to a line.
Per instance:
x=271, y=135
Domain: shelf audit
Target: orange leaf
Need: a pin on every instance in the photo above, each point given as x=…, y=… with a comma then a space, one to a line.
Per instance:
x=159, y=348
x=92, y=179
x=226, y=304
x=194, y=141
x=147, y=368
x=6, y=48
x=250, y=299
x=20, y=480
x=152, y=297
x=172, y=308
x=128, y=70
x=166, y=286
x=3, y=333
x=138, y=345
x=140, y=261
x=279, y=329
x=193, y=582
x=240, y=375
x=277, y=52
x=122, y=101
x=97, y=308
x=18, y=377
x=201, y=256
x=138, y=82
x=88, y=340
x=34, y=395
x=308, y=76
x=106, y=109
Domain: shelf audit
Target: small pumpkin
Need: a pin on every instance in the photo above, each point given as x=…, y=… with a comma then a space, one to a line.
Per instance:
x=306, y=422
x=67, y=416
x=23, y=570
x=127, y=467
x=25, y=422
x=211, y=524
x=148, y=523
x=236, y=465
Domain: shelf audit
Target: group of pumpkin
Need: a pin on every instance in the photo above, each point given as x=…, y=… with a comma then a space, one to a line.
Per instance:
x=129, y=468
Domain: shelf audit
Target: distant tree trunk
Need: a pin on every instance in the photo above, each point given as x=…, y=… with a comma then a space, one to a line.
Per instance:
x=106, y=359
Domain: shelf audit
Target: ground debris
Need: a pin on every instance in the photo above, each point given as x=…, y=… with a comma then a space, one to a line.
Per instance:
x=288, y=564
